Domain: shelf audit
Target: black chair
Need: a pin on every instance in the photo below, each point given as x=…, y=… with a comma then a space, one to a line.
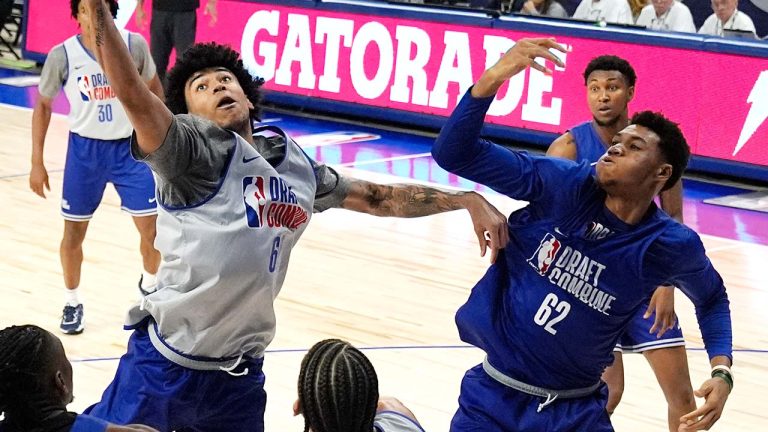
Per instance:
x=10, y=18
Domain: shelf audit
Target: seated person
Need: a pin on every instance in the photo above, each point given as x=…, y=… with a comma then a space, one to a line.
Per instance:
x=726, y=16
x=549, y=8
x=667, y=15
x=610, y=11
x=350, y=402
x=36, y=386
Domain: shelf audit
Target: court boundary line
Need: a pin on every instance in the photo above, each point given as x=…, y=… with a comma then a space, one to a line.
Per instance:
x=406, y=347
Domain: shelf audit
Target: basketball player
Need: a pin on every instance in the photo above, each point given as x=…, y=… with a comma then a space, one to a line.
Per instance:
x=36, y=386
x=610, y=82
x=339, y=392
x=548, y=323
x=232, y=206
x=98, y=153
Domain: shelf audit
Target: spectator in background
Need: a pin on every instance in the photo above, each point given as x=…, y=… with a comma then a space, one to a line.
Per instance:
x=339, y=391
x=610, y=11
x=549, y=8
x=36, y=386
x=636, y=6
x=727, y=16
x=667, y=15
x=174, y=25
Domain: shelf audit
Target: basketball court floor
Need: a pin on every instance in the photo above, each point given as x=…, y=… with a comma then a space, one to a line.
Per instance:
x=390, y=286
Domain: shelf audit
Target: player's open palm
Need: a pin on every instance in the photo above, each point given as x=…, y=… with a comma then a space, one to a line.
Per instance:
x=715, y=392
x=524, y=54
x=38, y=179
x=663, y=302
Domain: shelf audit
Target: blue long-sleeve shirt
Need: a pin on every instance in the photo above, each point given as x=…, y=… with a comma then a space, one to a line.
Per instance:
x=551, y=309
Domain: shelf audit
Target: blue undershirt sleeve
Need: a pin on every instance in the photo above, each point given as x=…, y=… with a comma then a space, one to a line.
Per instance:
x=698, y=279
x=460, y=150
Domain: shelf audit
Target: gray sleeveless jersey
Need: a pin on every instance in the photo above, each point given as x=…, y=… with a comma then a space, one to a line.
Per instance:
x=225, y=259
x=391, y=421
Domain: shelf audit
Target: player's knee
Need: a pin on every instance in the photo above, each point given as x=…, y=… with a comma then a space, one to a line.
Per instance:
x=74, y=234
x=681, y=397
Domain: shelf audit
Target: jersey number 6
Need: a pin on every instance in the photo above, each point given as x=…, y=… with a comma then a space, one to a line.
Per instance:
x=544, y=313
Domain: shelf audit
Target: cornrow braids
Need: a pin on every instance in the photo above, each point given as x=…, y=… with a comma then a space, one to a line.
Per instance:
x=23, y=357
x=338, y=388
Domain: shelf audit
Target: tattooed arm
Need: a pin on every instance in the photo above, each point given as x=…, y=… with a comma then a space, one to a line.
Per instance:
x=413, y=200
x=147, y=113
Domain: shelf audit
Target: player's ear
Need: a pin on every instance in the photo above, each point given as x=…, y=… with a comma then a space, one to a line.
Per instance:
x=630, y=93
x=664, y=172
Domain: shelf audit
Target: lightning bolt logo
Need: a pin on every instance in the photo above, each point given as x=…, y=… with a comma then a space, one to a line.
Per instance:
x=758, y=97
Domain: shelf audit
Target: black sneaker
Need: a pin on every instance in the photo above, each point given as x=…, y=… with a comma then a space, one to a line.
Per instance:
x=145, y=292
x=72, y=320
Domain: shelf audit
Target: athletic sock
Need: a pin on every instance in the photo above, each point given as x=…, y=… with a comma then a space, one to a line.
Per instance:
x=148, y=281
x=70, y=297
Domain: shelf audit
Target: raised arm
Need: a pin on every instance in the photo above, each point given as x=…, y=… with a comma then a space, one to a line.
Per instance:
x=148, y=114
x=412, y=200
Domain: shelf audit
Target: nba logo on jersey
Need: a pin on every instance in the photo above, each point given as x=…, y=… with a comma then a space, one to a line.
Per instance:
x=255, y=200
x=85, y=88
x=545, y=254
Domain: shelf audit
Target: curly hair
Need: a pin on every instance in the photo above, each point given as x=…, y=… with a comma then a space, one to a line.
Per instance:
x=338, y=388
x=205, y=56
x=25, y=356
x=75, y=4
x=611, y=63
x=672, y=144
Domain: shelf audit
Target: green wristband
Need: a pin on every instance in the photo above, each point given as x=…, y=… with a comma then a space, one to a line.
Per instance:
x=725, y=376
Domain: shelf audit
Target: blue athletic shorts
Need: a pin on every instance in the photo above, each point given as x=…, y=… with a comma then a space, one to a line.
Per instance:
x=150, y=389
x=486, y=405
x=636, y=337
x=91, y=164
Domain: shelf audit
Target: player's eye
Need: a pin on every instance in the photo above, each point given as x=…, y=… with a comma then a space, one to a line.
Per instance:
x=201, y=87
x=613, y=88
x=226, y=79
x=634, y=147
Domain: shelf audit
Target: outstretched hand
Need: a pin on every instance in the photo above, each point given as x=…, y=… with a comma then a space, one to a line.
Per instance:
x=663, y=303
x=715, y=392
x=490, y=226
x=522, y=55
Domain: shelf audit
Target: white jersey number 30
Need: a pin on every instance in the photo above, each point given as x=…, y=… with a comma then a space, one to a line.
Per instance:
x=544, y=313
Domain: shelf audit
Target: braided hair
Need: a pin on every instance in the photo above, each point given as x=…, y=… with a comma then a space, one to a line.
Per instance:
x=338, y=388
x=25, y=356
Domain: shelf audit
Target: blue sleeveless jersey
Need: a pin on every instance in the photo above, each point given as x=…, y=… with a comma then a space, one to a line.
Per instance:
x=552, y=307
x=589, y=146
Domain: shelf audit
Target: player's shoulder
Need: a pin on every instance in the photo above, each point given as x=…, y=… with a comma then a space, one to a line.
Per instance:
x=677, y=235
x=136, y=41
x=564, y=146
x=58, y=50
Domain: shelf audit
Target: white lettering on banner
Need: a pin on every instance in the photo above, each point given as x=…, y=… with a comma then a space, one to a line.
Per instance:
x=533, y=108
x=411, y=66
x=261, y=20
x=376, y=33
x=456, y=67
x=333, y=32
x=297, y=48
x=495, y=47
x=402, y=65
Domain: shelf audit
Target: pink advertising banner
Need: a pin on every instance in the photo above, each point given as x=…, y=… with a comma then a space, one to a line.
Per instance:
x=720, y=100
